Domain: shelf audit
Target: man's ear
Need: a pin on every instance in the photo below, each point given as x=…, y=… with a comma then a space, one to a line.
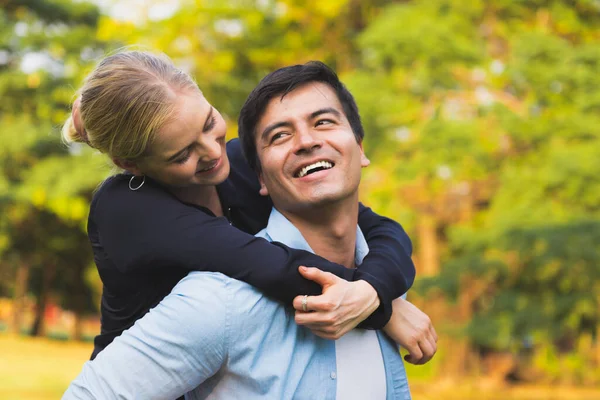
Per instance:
x=128, y=166
x=263, y=189
x=364, y=161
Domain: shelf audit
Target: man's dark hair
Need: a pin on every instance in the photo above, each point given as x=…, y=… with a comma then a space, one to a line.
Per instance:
x=280, y=83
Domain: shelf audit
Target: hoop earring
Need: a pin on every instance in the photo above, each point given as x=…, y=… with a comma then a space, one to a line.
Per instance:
x=139, y=186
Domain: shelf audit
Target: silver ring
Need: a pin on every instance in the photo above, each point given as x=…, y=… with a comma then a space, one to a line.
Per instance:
x=304, y=303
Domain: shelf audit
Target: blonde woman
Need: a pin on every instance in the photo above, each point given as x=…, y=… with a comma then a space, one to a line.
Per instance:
x=187, y=201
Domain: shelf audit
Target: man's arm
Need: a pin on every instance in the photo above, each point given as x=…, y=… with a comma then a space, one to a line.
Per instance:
x=175, y=347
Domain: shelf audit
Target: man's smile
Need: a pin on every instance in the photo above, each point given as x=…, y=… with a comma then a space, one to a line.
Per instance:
x=313, y=167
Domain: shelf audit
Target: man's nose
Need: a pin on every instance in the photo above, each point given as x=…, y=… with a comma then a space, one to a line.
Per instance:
x=306, y=140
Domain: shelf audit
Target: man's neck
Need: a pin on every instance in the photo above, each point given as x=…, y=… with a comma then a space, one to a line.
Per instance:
x=330, y=230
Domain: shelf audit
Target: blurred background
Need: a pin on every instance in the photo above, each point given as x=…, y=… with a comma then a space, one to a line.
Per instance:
x=482, y=124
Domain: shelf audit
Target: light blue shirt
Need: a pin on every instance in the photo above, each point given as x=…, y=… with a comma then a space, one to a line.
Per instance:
x=220, y=338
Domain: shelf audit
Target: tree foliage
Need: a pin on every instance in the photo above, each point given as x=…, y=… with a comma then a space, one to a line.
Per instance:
x=44, y=187
x=481, y=121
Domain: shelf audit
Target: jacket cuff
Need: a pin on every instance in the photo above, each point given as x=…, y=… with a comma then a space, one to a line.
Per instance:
x=380, y=317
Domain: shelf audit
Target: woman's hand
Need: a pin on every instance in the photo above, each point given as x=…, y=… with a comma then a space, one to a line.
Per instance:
x=342, y=306
x=412, y=329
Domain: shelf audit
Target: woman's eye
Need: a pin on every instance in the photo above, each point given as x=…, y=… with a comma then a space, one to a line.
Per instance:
x=211, y=124
x=183, y=158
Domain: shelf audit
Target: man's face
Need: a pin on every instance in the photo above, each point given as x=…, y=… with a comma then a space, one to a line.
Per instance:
x=307, y=150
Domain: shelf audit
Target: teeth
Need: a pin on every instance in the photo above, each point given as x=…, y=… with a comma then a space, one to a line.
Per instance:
x=322, y=164
x=209, y=167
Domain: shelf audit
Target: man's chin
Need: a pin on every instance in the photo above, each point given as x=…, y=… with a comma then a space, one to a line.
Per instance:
x=314, y=203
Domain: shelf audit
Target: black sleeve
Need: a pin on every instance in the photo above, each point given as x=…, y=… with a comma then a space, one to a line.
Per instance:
x=388, y=267
x=150, y=229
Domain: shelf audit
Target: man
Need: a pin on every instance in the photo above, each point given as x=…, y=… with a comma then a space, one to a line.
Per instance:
x=301, y=131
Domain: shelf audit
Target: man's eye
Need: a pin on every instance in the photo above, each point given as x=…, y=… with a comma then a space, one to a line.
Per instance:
x=323, y=122
x=277, y=136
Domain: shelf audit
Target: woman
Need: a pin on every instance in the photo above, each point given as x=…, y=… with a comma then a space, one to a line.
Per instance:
x=173, y=209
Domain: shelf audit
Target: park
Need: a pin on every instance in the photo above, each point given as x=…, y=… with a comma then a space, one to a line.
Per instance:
x=481, y=123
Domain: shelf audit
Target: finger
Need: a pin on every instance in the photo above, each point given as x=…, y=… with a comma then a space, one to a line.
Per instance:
x=313, y=303
x=316, y=318
x=298, y=300
x=415, y=353
x=433, y=346
x=427, y=350
x=433, y=343
x=337, y=330
x=434, y=333
x=316, y=275
x=323, y=334
x=323, y=302
x=328, y=332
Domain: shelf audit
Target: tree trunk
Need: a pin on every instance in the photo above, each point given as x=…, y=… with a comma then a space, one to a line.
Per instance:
x=79, y=304
x=78, y=328
x=21, y=285
x=462, y=348
x=39, y=328
x=598, y=329
x=429, y=258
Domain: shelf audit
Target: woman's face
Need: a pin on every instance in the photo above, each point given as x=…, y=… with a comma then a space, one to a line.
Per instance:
x=190, y=148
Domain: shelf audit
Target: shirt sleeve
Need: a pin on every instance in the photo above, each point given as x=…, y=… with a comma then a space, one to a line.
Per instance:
x=168, y=352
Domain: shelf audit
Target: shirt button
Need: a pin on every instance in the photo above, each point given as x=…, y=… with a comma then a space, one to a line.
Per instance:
x=333, y=375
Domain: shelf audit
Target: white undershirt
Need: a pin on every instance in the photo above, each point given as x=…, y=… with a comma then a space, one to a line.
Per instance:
x=360, y=370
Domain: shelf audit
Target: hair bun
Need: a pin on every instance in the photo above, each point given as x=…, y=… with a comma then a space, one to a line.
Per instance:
x=69, y=133
x=73, y=130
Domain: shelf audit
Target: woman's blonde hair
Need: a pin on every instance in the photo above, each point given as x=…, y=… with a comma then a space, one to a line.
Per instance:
x=124, y=101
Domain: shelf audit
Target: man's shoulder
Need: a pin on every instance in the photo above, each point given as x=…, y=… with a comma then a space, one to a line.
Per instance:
x=209, y=288
x=213, y=280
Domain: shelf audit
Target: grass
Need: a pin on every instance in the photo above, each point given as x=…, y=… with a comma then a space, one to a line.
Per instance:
x=38, y=369
x=41, y=369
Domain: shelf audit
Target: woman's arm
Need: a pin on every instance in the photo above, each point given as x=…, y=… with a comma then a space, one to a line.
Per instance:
x=388, y=266
x=150, y=229
x=412, y=329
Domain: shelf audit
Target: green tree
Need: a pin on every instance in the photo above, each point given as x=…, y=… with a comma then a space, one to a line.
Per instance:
x=482, y=120
x=44, y=189
x=228, y=46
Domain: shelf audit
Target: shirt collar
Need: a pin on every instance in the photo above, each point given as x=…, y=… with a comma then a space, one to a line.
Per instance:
x=280, y=229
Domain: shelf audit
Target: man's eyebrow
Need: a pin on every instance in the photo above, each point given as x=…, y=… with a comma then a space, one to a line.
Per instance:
x=265, y=133
x=327, y=110
x=208, y=120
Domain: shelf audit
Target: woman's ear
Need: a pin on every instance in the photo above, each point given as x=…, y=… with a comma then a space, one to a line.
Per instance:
x=128, y=166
